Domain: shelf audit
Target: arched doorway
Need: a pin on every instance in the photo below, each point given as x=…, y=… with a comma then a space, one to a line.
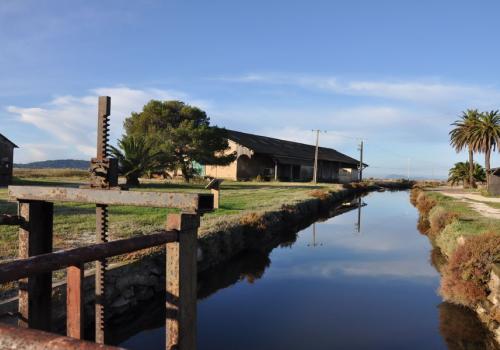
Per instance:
x=244, y=168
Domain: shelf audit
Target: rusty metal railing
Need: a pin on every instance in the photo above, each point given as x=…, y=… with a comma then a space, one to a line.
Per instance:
x=37, y=261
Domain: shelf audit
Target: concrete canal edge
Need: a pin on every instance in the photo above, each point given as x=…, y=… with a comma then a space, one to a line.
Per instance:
x=130, y=284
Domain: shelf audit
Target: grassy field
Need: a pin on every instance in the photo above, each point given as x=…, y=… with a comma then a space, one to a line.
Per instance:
x=74, y=224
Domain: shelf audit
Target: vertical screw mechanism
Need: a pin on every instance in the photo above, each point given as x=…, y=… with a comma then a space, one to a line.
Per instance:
x=104, y=110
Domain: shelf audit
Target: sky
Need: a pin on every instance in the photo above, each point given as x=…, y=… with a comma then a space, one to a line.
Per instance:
x=394, y=73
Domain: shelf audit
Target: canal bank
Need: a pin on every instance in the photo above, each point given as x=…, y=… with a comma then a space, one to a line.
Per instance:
x=134, y=281
x=466, y=252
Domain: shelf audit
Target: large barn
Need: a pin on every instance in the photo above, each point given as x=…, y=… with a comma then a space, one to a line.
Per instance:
x=275, y=159
x=6, y=160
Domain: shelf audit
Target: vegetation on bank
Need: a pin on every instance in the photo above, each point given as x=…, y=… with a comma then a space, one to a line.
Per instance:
x=470, y=245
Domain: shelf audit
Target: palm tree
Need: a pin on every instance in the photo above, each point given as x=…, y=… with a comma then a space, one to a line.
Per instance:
x=460, y=173
x=486, y=137
x=135, y=158
x=461, y=137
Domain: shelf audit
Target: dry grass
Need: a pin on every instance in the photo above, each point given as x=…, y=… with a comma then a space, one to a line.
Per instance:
x=253, y=220
x=439, y=218
x=320, y=194
x=414, y=193
x=51, y=173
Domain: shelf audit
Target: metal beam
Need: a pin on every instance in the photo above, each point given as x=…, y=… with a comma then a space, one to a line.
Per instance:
x=44, y=263
x=6, y=219
x=192, y=202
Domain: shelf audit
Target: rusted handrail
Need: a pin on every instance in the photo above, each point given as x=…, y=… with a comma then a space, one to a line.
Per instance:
x=17, y=269
x=191, y=202
x=12, y=337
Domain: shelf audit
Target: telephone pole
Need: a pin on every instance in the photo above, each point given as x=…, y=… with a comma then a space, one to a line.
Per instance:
x=315, y=171
x=361, y=161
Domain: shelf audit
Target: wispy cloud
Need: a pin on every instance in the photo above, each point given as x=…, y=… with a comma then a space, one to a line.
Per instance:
x=71, y=120
x=421, y=91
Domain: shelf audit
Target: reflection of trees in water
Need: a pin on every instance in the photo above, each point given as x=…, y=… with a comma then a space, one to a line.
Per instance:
x=462, y=330
x=248, y=266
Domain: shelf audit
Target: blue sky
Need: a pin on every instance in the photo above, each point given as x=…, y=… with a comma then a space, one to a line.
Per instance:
x=395, y=73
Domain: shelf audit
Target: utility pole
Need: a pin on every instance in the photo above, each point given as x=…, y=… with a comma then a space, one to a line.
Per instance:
x=361, y=161
x=315, y=173
x=408, y=169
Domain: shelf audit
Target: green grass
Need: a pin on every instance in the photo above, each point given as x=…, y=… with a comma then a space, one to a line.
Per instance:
x=74, y=224
x=469, y=223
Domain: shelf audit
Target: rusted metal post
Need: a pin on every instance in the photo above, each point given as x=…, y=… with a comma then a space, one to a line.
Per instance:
x=35, y=237
x=74, y=302
x=101, y=180
x=181, y=283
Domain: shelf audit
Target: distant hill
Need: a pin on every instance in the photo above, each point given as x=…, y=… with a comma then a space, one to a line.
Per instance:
x=56, y=164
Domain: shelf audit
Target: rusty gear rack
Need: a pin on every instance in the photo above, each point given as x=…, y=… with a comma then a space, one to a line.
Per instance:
x=36, y=260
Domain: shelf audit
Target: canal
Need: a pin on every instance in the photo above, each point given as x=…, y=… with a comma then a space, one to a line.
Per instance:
x=342, y=283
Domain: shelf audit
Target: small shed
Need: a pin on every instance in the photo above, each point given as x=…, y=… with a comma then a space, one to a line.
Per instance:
x=6, y=160
x=494, y=183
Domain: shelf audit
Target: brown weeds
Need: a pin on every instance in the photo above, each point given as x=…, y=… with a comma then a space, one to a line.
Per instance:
x=254, y=220
x=465, y=278
x=424, y=204
x=320, y=194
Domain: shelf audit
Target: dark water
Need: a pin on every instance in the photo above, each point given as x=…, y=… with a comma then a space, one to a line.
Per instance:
x=332, y=287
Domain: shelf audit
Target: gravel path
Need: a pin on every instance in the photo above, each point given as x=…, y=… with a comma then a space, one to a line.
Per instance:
x=476, y=202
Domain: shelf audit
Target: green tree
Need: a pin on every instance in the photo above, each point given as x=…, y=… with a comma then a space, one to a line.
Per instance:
x=460, y=173
x=135, y=158
x=486, y=136
x=181, y=134
x=461, y=137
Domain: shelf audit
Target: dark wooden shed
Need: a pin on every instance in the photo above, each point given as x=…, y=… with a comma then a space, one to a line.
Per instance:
x=6, y=160
x=494, y=187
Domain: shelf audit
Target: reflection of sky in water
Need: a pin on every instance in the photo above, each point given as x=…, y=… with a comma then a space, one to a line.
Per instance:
x=368, y=290
x=389, y=245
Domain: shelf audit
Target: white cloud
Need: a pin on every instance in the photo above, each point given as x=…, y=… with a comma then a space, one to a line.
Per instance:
x=429, y=92
x=72, y=120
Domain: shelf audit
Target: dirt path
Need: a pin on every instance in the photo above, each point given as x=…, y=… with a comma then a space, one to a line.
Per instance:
x=476, y=202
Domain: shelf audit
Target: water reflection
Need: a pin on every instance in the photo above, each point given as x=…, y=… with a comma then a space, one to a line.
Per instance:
x=370, y=291
x=462, y=330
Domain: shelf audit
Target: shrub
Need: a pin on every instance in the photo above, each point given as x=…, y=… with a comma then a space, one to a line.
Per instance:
x=414, y=194
x=423, y=225
x=465, y=278
x=439, y=218
x=425, y=204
